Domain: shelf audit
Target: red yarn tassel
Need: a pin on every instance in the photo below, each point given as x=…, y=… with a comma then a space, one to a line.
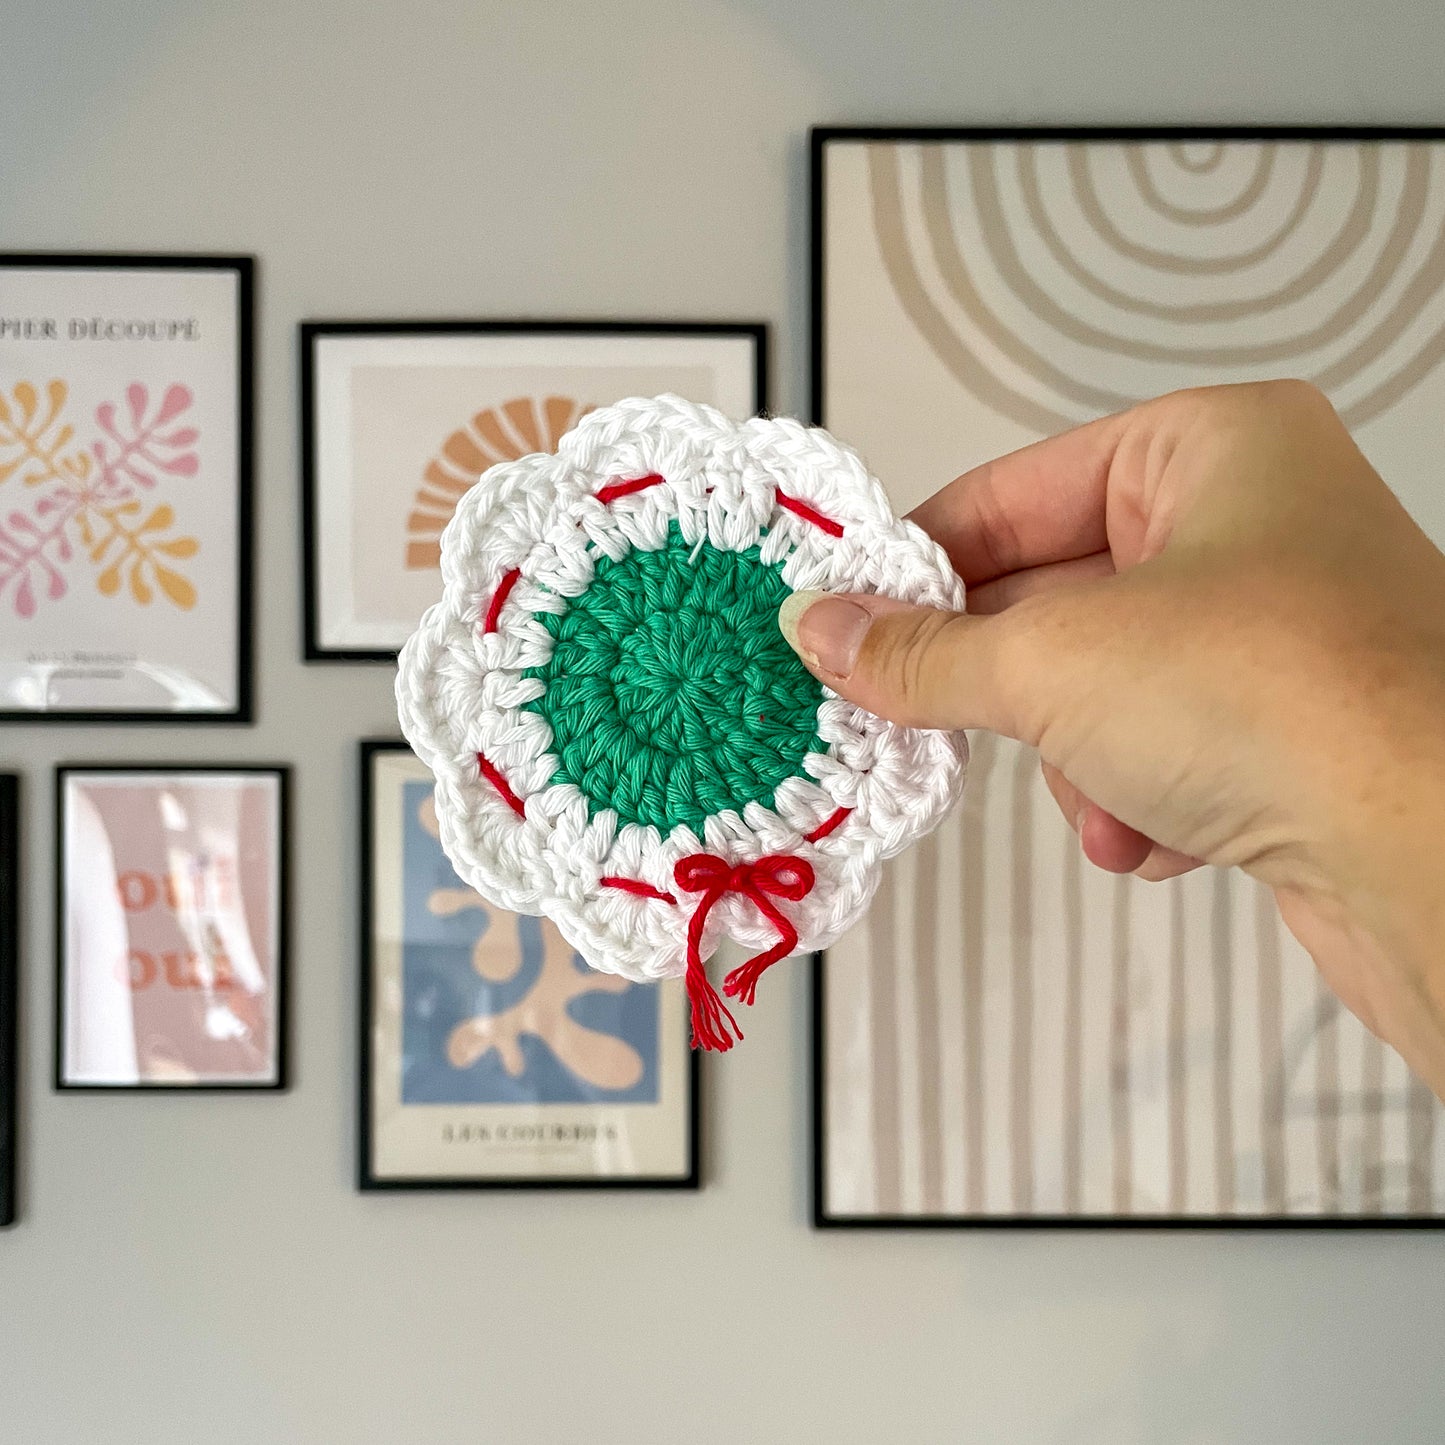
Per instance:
x=779, y=875
x=708, y=1011
x=742, y=982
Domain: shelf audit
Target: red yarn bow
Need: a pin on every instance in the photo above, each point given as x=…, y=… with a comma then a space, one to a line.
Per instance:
x=780, y=875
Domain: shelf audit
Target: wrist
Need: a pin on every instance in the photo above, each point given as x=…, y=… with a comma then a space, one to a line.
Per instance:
x=1387, y=868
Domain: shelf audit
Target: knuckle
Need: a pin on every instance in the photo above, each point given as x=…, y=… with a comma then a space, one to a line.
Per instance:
x=997, y=532
x=1029, y=650
x=1248, y=398
x=917, y=658
x=910, y=669
x=1292, y=392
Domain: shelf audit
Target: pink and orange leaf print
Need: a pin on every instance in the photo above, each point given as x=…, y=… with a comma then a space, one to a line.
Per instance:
x=83, y=504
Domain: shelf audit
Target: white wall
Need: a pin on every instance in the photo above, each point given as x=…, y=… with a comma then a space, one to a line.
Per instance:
x=199, y=1269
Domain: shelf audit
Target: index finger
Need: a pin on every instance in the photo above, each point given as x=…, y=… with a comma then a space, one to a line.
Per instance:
x=1043, y=503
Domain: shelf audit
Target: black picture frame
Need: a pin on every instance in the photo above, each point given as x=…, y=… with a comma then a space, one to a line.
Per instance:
x=282, y=772
x=367, y=1180
x=820, y=137
x=244, y=267
x=312, y=332
x=9, y=995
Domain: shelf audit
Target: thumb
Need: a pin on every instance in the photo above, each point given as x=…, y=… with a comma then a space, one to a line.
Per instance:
x=912, y=665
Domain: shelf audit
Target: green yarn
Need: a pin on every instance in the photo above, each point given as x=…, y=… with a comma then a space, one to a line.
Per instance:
x=671, y=694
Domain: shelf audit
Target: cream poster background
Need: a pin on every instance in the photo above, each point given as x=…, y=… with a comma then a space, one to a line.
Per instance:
x=119, y=554
x=406, y=423
x=172, y=928
x=1011, y=1032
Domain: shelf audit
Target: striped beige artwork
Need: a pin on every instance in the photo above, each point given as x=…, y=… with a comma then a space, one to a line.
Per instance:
x=1011, y=1033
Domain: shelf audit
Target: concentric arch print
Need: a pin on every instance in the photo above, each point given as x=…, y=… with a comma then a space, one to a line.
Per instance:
x=1057, y=282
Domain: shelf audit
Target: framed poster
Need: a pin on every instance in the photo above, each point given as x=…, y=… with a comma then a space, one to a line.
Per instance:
x=400, y=418
x=9, y=990
x=171, y=927
x=1012, y=1036
x=125, y=488
x=491, y=1054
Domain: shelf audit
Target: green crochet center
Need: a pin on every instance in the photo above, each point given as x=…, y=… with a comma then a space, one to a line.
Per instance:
x=671, y=694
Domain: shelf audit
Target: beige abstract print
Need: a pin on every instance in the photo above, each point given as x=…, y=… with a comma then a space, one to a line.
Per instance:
x=1010, y=1032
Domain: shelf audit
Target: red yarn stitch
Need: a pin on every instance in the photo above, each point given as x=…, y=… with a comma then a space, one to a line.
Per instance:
x=830, y=824
x=637, y=886
x=807, y=513
x=494, y=777
x=613, y=490
x=504, y=590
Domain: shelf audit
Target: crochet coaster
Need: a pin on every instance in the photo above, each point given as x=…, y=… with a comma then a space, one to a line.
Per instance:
x=622, y=739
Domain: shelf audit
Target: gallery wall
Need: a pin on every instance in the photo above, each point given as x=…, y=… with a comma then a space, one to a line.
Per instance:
x=201, y=1268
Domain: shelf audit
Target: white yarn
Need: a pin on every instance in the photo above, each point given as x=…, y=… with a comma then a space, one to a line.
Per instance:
x=460, y=691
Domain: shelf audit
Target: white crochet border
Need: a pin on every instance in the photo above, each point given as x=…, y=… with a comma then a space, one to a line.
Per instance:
x=460, y=691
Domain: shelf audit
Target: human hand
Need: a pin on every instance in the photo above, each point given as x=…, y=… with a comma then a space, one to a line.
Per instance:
x=1226, y=637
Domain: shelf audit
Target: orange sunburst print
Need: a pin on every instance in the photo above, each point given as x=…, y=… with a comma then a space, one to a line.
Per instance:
x=502, y=433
